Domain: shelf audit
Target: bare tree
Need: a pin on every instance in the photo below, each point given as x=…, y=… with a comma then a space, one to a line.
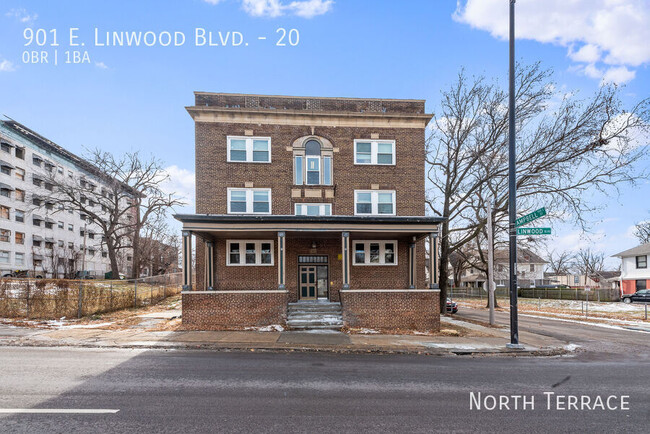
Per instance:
x=565, y=147
x=587, y=262
x=561, y=262
x=642, y=232
x=159, y=247
x=118, y=198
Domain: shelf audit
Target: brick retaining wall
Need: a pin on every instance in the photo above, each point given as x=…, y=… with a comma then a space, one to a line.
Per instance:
x=223, y=310
x=392, y=309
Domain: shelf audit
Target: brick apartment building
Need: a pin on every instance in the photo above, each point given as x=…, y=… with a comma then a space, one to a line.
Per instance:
x=309, y=201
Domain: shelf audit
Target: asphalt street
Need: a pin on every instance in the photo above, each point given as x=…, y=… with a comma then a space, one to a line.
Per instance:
x=597, y=342
x=205, y=391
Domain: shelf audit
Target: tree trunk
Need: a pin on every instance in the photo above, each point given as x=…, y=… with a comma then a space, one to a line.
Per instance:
x=444, y=260
x=112, y=256
x=136, y=254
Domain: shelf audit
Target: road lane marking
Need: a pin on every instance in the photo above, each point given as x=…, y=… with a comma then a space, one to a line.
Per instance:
x=58, y=410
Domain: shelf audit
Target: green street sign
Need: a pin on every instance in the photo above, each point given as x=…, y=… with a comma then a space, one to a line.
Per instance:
x=533, y=231
x=530, y=217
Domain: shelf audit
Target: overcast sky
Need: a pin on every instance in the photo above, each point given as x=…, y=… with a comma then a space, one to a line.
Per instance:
x=129, y=98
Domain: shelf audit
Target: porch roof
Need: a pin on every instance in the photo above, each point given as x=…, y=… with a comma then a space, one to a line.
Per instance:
x=405, y=225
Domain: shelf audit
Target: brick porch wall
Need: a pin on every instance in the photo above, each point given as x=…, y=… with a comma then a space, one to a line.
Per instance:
x=392, y=309
x=223, y=310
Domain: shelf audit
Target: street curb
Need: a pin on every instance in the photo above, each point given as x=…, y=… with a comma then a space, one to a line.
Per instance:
x=243, y=347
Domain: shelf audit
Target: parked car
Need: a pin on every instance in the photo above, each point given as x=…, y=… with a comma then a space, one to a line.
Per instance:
x=640, y=296
x=23, y=274
x=84, y=275
x=452, y=306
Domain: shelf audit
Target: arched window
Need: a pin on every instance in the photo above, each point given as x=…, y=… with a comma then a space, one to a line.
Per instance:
x=313, y=162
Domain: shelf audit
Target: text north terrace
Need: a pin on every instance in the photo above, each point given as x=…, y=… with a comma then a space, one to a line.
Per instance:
x=549, y=401
x=200, y=37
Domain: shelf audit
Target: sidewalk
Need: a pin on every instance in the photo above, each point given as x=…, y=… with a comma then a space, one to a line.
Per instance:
x=159, y=329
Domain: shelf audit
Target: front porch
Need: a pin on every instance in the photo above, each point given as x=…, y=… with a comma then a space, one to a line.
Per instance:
x=251, y=267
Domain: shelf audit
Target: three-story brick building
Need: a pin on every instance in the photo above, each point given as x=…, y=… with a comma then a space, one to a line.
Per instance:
x=302, y=199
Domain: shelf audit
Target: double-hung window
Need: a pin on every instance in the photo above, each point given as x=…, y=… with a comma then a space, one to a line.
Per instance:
x=249, y=201
x=375, y=252
x=381, y=152
x=313, y=164
x=313, y=209
x=642, y=261
x=250, y=252
x=249, y=149
x=374, y=202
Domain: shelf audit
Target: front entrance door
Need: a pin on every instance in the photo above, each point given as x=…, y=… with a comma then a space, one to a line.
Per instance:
x=308, y=283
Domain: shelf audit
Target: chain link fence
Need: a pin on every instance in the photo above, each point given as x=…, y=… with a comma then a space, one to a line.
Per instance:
x=596, y=294
x=57, y=298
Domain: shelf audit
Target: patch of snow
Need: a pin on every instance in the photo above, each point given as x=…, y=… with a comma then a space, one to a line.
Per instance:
x=365, y=331
x=63, y=325
x=595, y=324
x=571, y=347
x=268, y=328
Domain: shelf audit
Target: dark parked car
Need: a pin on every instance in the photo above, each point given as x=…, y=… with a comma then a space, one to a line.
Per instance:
x=452, y=306
x=640, y=296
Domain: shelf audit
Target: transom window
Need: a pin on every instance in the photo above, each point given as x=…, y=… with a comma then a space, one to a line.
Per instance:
x=249, y=149
x=249, y=201
x=374, y=202
x=313, y=209
x=249, y=252
x=375, y=253
x=312, y=163
x=642, y=261
x=374, y=152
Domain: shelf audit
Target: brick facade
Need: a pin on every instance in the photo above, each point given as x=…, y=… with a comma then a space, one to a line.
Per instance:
x=288, y=121
x=406, y=310
x=218, y=310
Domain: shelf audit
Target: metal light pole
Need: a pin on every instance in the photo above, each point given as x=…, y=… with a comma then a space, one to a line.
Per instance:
x=512, y=189
x=490, y=267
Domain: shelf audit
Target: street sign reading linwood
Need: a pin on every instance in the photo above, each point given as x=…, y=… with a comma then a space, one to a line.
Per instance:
x=533, y=231
x=530, y=217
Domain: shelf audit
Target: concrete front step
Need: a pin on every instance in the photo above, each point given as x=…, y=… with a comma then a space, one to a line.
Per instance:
x=314, y=315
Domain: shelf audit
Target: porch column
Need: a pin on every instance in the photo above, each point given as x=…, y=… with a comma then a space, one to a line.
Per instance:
x=281, y=260
x=346, y=259
x=187, y=260
x=209, y=265
x=433, y=260
x=412, y=266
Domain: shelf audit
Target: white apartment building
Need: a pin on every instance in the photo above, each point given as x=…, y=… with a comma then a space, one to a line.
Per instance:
x=635, y=274
x=37, y=235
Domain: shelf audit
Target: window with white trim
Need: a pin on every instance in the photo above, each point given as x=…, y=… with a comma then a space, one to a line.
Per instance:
x=313, y=209
x=249, y=252
x=312, y=163
x=380, y=152
x=249, y=149
x=374, y=202
x=375, y=252
x=249, y=201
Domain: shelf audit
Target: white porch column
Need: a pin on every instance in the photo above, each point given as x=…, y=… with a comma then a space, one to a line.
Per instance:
x=433, y=261
x=281, y=260
x=209, y=265
x=187, y=260
x=345, y=238
x=412, y=265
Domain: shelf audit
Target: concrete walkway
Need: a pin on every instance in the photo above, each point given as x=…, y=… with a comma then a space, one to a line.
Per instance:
x=486, y=340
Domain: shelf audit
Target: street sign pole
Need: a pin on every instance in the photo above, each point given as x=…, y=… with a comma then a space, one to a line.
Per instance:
x=512, y=189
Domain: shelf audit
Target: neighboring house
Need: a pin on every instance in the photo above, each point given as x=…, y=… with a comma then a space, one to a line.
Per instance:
x=301, y=199
x=530, y=270
x=635, y=274
x=600, y=279
x=37, y=235
x=157, y=258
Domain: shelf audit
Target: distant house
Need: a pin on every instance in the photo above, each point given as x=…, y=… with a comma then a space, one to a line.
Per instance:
x=635, y=274
x=600, y=279
x=530, y=270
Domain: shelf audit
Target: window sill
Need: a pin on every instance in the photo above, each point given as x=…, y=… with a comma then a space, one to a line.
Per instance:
x=253, y=162
x=250, y=265
x=374, y=164
x=374, y=265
